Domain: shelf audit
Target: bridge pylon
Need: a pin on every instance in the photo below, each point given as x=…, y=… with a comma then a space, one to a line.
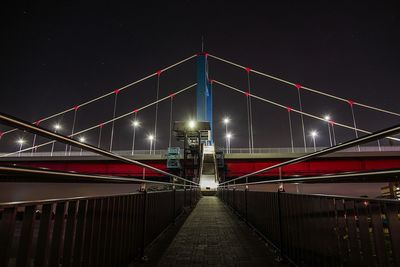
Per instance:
x=204, y=93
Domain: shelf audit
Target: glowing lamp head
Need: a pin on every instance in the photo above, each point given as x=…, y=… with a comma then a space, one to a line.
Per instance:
x=228, y=135
x=20, y=141
x=327, y=117
x=226, y=120
x=135, y=123
x=150, y=137
x=192, y=124
x=314, y=134
x=82, y=139
x=57, y=126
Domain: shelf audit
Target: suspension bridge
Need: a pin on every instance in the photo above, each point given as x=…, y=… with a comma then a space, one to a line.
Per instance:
x=108, y=181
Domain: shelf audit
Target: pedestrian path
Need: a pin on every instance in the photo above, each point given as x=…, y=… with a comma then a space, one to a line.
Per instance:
x=213, y=236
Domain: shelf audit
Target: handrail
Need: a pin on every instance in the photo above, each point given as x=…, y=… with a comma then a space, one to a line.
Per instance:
x=52, y=200
x=358, y=141
x=320, y=178
x=23, y=125
x=49, y=174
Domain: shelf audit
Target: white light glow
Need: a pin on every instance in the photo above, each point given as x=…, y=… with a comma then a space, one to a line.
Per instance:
x=228, y=135
x=135, y=123
x=57, y=126
x=150, y=137
x=192, y=124
x=21, y=141
x=208, y=185
x=226, y=120
x=327, y=117
x=82, y=139
x=314, y=134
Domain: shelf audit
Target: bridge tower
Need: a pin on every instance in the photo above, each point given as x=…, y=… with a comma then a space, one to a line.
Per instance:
x=204, y=93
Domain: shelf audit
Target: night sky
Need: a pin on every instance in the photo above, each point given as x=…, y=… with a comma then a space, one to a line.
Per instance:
x=57, y=55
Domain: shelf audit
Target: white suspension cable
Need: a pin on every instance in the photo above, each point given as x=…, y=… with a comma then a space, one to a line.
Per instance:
x=108, y=94
x=156, y=111
x=295, y=110
x=109, y=121
x=305, y=87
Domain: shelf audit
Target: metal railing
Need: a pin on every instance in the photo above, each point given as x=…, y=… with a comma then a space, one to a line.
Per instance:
x=300, y=150
x=323, y=230
x=160, y=153
x=87, y=231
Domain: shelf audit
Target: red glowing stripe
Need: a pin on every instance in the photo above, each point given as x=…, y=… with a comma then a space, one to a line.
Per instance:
x=135, y=111
x=248, y=70
x=172, y=95
x=351, y=102
x=76, y=108
x=101, y=125
x=289, y=109
x=116, y=91
x=158, y=72
x=247, y=94
x=298, y=86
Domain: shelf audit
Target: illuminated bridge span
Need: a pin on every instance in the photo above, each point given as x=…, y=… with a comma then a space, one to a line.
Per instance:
x=161, y=182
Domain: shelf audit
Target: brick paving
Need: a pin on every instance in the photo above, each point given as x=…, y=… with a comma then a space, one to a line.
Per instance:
x=213, y=236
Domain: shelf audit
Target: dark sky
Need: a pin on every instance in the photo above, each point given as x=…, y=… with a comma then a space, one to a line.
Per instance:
x=57, y=55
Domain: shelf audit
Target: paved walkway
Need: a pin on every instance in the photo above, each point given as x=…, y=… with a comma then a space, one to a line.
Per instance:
x=213, y=236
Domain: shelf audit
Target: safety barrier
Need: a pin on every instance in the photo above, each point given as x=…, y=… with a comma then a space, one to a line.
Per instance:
x=323, y=230
x=87, y=231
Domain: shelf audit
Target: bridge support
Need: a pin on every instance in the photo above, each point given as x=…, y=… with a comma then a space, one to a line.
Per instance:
x=204, y=93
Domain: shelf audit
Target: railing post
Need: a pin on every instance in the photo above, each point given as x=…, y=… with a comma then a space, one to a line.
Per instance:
x=190, y=196
x=233, y=198
x=184, y=193
x=245, y=202
x=143, y=257
x=280, y=227
x=174, y=203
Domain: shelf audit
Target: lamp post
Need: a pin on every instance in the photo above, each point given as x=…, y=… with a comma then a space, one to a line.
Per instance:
x=82, y=139
x=150, y=138
x=135, y=124
x=56, y=127
x=21, y=142
x=228, y=141
x=332, y=123
x=314, y=134
x=226, y=122
x=327, y=118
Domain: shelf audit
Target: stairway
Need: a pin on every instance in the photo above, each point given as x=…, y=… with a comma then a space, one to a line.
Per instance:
x=209, y=174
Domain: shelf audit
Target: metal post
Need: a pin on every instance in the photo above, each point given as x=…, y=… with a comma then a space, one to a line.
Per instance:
x=174, y=204
x=190, y=195
x=330, y=136
x=280, y=226
x=143, y=257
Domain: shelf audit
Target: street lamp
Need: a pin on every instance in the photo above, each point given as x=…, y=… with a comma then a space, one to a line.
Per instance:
x=327, y=118
x=150, y=138
x=228, y=139
x=56, y=127
x=21, y=142
x=135, y=124
x=314, y=134
x=226, y=121
x=192, y=124
x=82, y=139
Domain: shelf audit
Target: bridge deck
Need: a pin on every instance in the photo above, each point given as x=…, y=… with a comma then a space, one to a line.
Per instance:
x=213, y=236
